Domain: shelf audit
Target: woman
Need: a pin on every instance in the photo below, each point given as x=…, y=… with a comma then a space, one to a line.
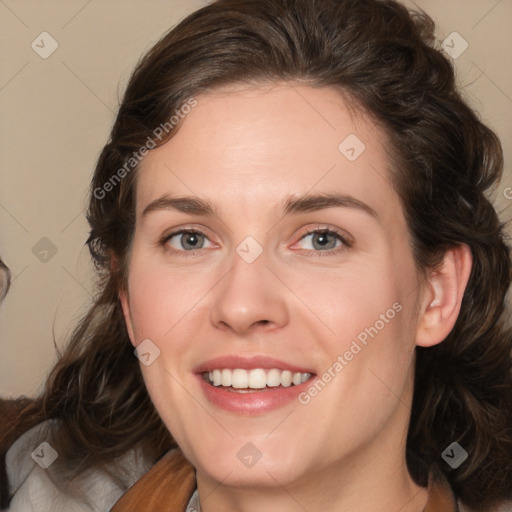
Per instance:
x=292, y=232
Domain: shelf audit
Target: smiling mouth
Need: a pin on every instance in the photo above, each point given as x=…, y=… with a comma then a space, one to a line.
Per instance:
x=247, y=381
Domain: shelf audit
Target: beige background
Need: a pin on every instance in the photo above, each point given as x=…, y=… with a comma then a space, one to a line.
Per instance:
x=56, y=114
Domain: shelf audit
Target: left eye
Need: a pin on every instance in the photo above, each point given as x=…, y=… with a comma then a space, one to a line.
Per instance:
x=187, y=240
x=323, y=240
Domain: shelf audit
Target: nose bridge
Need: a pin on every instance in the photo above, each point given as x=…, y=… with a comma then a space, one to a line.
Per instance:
x=249, y=295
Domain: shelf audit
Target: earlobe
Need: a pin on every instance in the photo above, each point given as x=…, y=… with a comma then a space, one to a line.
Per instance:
x=125, y=305
x=443, y=296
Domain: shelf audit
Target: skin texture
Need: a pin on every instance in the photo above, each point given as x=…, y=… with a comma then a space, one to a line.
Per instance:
x=247, y=150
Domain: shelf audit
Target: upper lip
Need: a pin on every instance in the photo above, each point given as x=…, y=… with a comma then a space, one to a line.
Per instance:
x=248, y=363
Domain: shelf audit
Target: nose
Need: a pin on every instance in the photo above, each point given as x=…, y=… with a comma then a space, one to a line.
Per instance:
x=249, y=298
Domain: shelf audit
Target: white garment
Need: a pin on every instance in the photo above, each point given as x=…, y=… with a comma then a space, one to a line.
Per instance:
x=34, y=490
x=193, y=504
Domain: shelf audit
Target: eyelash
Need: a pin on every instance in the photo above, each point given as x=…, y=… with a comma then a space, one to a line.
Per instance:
x=327, y=231
x=329, y=252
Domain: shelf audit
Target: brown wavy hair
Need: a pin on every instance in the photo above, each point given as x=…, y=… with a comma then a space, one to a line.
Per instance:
x=386, y=60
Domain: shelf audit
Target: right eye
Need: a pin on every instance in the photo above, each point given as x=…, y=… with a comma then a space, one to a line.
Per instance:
x=186, y=240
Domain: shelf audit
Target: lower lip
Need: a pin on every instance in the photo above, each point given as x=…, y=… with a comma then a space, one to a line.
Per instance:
x=251, y=403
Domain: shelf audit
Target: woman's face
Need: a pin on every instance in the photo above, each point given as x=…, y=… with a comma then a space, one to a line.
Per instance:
x=270, y=250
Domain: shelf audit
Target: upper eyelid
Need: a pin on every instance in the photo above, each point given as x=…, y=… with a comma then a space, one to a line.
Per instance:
x=177, y=231
x=336, y=231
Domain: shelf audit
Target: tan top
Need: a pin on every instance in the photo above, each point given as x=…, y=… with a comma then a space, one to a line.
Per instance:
x=169, y=485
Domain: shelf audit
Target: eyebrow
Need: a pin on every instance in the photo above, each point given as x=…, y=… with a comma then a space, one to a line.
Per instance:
x=311, y=203
x=292, y=205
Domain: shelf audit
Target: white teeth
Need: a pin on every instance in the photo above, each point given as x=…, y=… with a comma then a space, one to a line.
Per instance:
x=286, y=378
x=239, y=379
x=273, y=378
x=225, y=378
x=255, y=379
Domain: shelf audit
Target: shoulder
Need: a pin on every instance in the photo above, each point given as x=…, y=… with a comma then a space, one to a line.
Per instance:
x=35, y=487
x=168, y=485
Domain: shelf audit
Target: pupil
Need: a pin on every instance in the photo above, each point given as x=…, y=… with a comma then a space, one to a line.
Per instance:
x=191, y=240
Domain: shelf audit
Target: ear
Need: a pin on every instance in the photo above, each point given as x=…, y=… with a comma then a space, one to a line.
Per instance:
x=443, y=296
x=125, y=304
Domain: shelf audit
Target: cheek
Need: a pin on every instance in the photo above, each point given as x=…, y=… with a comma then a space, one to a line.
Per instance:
x=155, y=298
x=370, y=314
x=347, y=302
x=165, y=306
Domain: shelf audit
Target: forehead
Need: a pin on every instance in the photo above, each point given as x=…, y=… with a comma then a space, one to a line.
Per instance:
x=254, y=145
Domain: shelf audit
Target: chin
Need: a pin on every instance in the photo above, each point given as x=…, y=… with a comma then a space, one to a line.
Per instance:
x=264, y=474
x=248, y=462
